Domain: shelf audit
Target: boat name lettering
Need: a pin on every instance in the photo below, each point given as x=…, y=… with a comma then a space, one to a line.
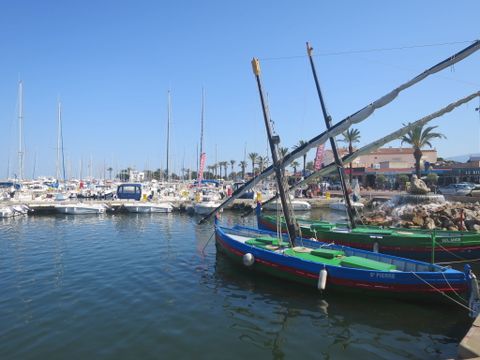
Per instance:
x=382, y=275
x=376, y=236
x=449, y=240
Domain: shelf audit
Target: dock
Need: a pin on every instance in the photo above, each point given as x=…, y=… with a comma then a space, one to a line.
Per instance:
x=469, y=347
x=116, y=206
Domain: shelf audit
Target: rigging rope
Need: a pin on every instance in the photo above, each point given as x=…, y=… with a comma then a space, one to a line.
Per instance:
x=441, y=292
x=362, y=51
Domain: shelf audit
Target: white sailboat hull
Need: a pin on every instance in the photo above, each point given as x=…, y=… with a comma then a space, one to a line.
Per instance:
x=297, y=205
x=205, y=207
x=147, y=208
x=80, y=209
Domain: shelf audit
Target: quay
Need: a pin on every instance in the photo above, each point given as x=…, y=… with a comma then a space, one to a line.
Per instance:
x=469, y=347
x=116, y=206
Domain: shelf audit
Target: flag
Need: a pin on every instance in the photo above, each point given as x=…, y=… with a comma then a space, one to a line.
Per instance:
x=203, y=158
x=319, y=157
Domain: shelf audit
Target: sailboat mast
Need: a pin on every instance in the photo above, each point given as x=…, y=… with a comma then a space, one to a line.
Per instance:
x=328, y=123
x=59, y=119
x=201, y=121
x=20, y=129
x=168, y=134
x=273, y=141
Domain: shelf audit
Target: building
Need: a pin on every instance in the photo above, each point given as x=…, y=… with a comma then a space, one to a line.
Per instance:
x=386, y=158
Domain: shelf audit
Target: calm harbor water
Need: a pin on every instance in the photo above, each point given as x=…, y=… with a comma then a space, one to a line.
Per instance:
x=153, y=287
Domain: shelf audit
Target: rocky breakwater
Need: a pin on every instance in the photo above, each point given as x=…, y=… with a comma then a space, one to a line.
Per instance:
x=447, y=216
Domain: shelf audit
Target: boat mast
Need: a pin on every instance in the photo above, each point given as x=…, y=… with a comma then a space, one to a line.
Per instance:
x=20, y=125
x=338, y=159
x=59, y=121
x=168, y=132
x=273, y=141
x=201, y=121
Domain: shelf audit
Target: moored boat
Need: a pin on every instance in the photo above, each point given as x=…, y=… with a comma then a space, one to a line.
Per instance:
x=148, y=207
x=331, y=267
x=80, y=208
x=423, y=244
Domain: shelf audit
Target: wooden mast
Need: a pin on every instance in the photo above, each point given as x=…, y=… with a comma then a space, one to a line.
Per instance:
x=338, y=159
x=273, y=141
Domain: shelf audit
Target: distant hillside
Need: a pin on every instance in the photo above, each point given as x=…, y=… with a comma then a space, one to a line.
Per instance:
x=462, y=158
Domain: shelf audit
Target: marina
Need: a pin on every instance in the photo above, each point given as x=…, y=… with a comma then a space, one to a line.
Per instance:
x=160, y=201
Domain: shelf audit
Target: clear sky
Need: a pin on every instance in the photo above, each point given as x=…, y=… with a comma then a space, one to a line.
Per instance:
x=112, y=62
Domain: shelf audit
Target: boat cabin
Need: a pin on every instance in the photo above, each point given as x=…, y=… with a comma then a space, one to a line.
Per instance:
x=130, y=191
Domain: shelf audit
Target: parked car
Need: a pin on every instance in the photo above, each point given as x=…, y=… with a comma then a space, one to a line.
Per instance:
x=455, y=189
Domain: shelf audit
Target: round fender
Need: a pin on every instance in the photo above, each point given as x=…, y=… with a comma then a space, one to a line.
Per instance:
x=248, y=259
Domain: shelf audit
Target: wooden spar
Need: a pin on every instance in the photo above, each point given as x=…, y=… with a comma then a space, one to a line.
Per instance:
x=273, y=141
x=344, y=124
x=328, y=123
x=378, y=143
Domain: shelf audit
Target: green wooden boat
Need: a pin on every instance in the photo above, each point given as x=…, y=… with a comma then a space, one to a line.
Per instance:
x=438, y=245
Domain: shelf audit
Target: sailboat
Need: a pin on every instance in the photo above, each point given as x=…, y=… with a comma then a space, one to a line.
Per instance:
x=207, y=198
x=332, y=267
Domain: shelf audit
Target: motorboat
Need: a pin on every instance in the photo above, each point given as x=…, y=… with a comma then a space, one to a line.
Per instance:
x=341, y=206
x=80, y=208
x=148, y=207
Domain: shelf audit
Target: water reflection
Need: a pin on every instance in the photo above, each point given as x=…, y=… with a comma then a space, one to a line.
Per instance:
x=343, y=323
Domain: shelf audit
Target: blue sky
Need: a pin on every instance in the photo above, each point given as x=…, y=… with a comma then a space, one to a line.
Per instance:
x=112, y=63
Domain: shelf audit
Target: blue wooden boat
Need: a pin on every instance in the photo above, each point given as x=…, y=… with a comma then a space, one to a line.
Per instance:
x=330, y=267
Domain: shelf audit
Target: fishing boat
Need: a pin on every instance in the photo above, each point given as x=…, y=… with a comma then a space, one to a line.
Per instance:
x=80, y=208
x=148, y=207
x=439, y=245
x=329, y=267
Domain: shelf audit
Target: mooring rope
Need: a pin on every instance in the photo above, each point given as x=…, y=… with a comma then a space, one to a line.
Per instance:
x=441, y=292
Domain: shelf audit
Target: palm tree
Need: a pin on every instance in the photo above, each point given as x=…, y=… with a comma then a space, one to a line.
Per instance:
x=419, y=137
x=232, y=162
x=243, y=165
x=294, y=165
x=350, y=137
x=283, y=152
x=224, y=164
x=300, y=144
x=253, y=158
x=110, y=169
x=262, y=162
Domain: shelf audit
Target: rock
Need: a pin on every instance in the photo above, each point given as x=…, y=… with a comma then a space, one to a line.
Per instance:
x=429, y=223
x=418, y=186
x=418, y=220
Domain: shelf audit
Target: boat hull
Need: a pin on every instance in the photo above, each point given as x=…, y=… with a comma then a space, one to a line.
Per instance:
x=79, y=210
x=148, y=208
x=449, y=246
x=392, y=284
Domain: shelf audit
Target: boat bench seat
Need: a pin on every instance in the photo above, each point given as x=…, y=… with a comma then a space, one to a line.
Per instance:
x=266, y=242
x=313, y=258
x=327, y=253
x=367, y=264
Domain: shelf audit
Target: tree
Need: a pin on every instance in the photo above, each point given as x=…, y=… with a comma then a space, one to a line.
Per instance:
x=294, y=165
x=350, y=137
x=402, y=180
x=380, y=180
x=283, y=152
x=224, y=165
x=243, y=165
x=300, y=144
x=262, y=161
x=110, y=169
x=432, y=179
x=253, y=158
x=232, y=162
x=419, y=137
